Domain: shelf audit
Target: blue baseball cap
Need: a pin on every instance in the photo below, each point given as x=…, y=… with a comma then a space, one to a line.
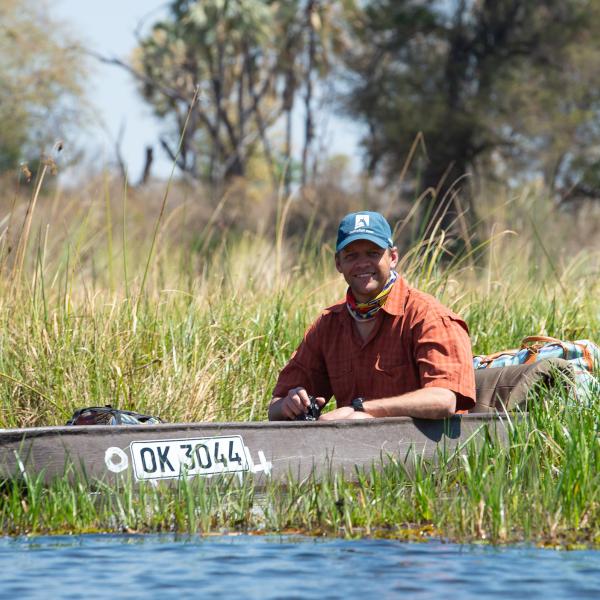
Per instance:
x=365, y=225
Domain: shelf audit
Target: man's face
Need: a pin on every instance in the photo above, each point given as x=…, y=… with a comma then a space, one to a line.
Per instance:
x=366, y=267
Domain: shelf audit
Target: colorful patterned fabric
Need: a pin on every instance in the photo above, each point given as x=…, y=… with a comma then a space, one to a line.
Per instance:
x=583, y=355
x=416, y=343
x=365, y=311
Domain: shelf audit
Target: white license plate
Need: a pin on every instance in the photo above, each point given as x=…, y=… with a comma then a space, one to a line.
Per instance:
x=168, y=459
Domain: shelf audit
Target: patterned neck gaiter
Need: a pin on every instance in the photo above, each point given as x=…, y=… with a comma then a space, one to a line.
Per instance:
x=365, y=311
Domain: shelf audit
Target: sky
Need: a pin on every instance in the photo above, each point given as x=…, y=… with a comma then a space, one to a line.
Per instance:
x=108, y=28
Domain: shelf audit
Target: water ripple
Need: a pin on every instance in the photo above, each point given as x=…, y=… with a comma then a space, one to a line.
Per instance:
x=169, y=566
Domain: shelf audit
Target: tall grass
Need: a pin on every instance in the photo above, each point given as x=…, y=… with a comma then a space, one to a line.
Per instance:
x=193, y=322
x=222, y=310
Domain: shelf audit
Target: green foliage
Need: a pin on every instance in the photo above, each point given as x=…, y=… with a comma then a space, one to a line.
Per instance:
x=207, y=335
x=41, y=82
x=493, y=88
x=220, y=312
x=248, y=61
x=541, y=486
x=223, y=48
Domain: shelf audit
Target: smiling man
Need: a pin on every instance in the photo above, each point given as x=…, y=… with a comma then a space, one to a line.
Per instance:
x=387, y=350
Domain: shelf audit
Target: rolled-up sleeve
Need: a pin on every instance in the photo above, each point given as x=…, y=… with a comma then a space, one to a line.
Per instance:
x=442, y=350
x=306, y=368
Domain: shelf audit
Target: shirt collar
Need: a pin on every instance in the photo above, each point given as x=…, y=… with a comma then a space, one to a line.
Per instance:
x=396, y=300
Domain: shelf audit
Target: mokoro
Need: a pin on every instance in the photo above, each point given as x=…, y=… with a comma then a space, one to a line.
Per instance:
x=275, y=450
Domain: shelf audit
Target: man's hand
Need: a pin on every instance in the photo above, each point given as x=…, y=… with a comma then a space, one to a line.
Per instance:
x=343, y=414
x=294, y=404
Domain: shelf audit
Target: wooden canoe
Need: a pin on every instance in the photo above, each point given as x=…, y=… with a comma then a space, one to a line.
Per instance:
x=279, y=450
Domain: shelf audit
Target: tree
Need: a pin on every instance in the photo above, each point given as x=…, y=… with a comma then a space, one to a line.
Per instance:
x=472, y=77
x=222, y=48
x=41, y=82
x=250, y=59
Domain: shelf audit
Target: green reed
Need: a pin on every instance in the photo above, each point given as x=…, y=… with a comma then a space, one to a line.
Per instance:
x=211, y=348
x=194, y=324
x=543, y=486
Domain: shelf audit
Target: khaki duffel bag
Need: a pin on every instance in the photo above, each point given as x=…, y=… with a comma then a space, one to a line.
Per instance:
x=507, y=388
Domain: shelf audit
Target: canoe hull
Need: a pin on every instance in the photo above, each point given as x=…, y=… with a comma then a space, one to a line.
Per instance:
x=267, y=450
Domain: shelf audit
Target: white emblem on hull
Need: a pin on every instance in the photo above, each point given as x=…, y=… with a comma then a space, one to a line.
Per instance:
x=116, y=460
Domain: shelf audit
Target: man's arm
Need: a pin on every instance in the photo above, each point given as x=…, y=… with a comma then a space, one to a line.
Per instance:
x=305, y=370
x=426, y=403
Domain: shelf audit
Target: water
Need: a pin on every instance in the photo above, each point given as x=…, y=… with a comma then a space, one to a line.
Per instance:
x=166, y=566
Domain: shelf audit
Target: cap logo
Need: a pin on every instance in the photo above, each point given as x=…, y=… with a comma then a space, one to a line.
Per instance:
x=361, y=221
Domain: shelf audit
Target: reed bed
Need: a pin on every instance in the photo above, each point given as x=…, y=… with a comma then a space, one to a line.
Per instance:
x=544, y=487
x=109, y=297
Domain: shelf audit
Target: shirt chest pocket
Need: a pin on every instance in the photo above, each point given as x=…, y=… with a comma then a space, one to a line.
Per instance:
x=392, y=376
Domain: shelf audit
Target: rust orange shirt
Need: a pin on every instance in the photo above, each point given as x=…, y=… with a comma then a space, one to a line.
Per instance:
x=416, y=343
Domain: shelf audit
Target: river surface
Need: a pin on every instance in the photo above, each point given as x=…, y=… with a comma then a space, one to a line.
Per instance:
x=168, y=566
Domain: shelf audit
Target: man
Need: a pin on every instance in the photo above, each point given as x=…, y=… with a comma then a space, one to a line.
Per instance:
x=387, y=350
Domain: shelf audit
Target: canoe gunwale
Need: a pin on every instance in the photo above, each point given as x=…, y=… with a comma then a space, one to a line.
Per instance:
x=62, y=430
